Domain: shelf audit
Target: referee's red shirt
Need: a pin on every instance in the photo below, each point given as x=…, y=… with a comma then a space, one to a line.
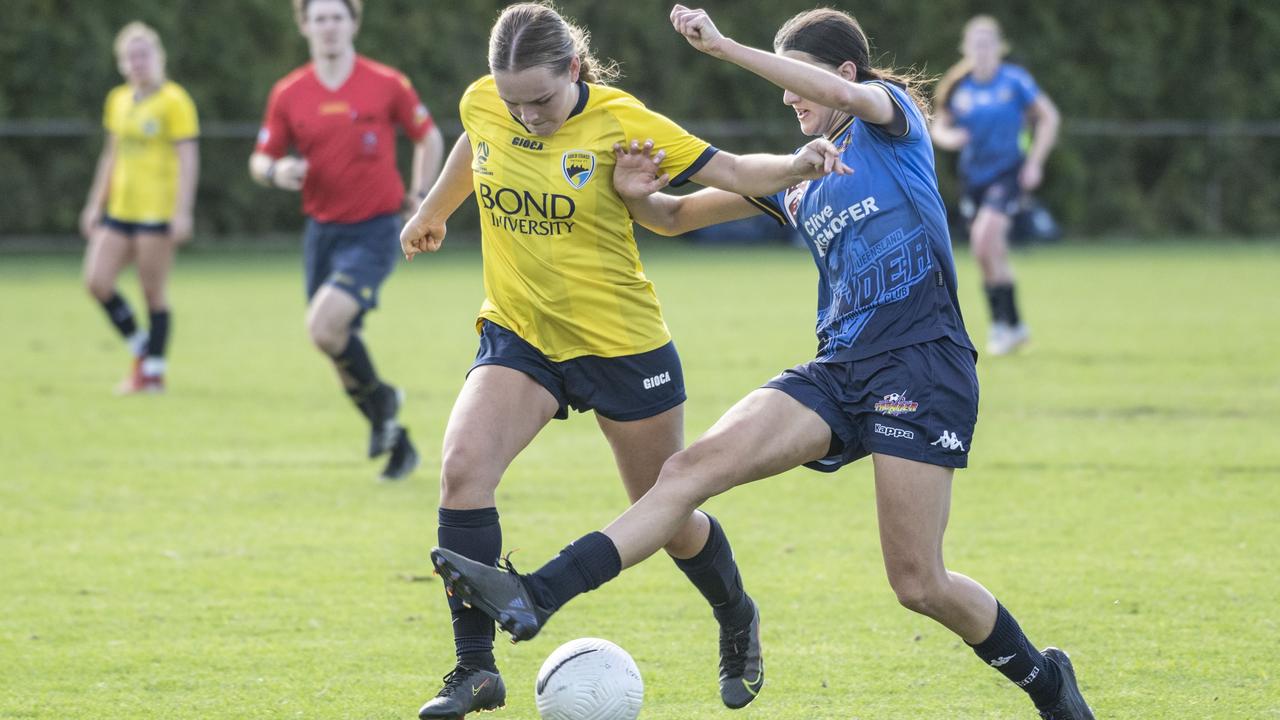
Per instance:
x=347, y=136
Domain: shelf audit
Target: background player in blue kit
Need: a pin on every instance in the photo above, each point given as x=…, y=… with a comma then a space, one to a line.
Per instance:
x=982, y=104
x=894, y=377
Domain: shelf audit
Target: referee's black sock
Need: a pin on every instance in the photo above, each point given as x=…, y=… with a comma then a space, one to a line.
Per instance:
x=994, y=302
x=715, y=573
x=354, y=360
x=121, y=315
x=584, y=565
x=475, y=534
x=1009, y=651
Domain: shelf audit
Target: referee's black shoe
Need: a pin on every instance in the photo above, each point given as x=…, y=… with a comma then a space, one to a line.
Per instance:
x=500, y=594
x=466, y=689
x=404, y=457
x=1070, y=704
x=741, y=664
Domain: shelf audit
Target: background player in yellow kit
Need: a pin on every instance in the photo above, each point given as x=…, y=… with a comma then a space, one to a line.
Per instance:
x=146, y=184
x=569, y=318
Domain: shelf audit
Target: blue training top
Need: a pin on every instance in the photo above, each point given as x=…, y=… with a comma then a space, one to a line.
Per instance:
x=886, y=278
x=993, y=113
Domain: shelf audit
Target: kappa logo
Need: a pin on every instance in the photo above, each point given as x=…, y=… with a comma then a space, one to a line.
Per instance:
x=578, y=167
x=896, y=404
x=1001, y=661
x=894, y=432
x=949, y=441
x=482, y=157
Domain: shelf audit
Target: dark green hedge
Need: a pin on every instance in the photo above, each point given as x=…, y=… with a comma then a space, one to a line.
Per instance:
x=1207, y=62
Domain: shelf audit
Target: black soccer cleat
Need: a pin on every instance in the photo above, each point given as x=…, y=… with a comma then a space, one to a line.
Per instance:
x=466, y=689
x=500, y=594
x=403, y=460
x=741, y=664
x=1070, y=704
x=384, y=406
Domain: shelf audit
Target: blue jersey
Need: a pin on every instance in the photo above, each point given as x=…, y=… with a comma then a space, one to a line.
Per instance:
x=993, y=113
x=886, y=278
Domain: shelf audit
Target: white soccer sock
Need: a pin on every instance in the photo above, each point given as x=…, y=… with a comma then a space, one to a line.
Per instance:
x=152, y=366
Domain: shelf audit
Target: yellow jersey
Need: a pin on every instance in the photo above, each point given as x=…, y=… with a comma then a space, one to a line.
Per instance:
x=561, y=266
x=144, y=179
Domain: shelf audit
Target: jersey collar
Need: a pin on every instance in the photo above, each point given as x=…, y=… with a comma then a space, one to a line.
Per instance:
x=841, y=128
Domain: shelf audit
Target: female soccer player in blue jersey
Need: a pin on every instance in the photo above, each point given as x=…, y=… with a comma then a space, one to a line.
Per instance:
x=569, y=318
x=894, y=377
x=982, y=105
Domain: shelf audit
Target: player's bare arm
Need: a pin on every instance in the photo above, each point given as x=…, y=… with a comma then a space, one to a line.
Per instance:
x=97, y=198
x=1045, y=120
x=638, y=178
x=839, y=89
x=428, y=158
x=181, y=225
x=424, y=232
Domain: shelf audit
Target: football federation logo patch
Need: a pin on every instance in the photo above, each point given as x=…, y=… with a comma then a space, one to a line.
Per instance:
x=578, y=167
x=482, y=157
x=896, y=404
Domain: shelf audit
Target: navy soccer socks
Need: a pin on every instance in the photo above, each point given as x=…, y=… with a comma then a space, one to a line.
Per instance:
x=1008, y=650
x=120, y=315
x=584, y=565
x=354, y=360
x=475, y=534
x=715, y=574
x=1002, y=301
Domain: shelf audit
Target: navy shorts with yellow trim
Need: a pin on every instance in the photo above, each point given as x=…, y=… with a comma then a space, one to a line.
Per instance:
x=631, y=387
x=354, y=257
x=130, y=228
x=919, y=402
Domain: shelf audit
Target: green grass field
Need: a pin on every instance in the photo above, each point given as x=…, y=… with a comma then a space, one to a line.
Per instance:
x=224, y=552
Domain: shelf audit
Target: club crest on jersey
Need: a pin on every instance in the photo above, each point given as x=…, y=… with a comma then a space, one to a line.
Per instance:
x=791, y=200
x=578, y=167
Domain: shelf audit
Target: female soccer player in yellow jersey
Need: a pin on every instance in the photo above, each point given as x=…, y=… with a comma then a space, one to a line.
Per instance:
x=146, y=184
x=569, y=318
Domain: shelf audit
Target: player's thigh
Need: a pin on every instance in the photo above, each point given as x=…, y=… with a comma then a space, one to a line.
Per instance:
x=766, y=433
x=641, y=447
x=913, y=501
x=989, y=231
x=498, y=412
x=106, y=255
x=155, y=253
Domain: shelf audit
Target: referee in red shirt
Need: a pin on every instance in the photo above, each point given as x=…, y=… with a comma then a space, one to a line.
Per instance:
x=339, y=113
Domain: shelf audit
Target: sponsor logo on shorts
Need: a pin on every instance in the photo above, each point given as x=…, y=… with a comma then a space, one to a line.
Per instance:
x=949, y=441
x=894, y=432
x=653, y=382
x=896, y=404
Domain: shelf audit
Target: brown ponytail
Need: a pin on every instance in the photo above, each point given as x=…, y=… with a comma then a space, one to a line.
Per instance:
x=834, y=37
x=531, y=34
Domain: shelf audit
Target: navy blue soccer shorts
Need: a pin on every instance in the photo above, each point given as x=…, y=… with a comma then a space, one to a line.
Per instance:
x=130, y=229
x=353, y=257
x=1002, y=194
x=919, y=402
x=631, y=387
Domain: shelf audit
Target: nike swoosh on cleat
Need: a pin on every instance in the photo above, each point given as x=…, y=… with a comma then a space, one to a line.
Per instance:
x=475, y=689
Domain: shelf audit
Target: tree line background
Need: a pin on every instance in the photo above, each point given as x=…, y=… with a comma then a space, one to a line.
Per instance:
x=1170, y=106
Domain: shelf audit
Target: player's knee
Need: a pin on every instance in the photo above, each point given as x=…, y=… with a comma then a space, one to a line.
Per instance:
x=98, y=288
x=917, y=588
x=327, y=337
x=684, y=481
x=464, y=475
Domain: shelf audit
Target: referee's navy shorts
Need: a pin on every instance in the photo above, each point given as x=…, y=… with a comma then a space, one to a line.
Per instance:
x=631, y=387
x=919, y=402
x=353, y=257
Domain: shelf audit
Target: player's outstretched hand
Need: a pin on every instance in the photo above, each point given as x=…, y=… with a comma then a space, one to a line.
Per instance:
x=638, y=172
x=421, y=234
x=818, y=159
x=696, y=27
